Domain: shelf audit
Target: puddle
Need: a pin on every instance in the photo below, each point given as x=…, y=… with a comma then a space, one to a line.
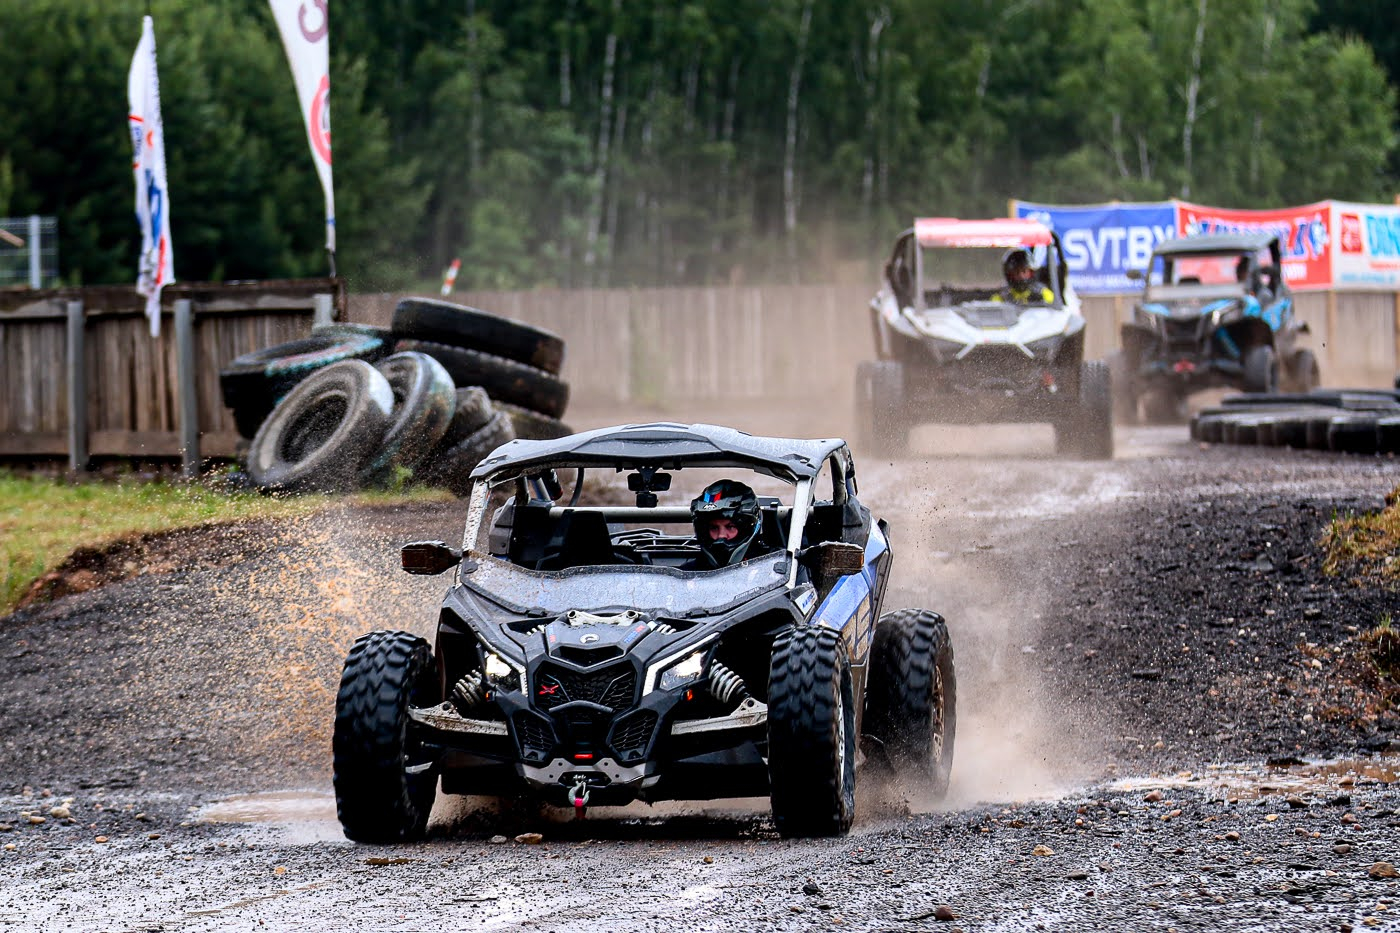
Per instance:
x=299, y=816
x=1315, y=776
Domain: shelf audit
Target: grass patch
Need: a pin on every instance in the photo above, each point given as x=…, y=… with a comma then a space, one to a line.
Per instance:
x=1383, y=645
x=43, y=520
x=1367, y=543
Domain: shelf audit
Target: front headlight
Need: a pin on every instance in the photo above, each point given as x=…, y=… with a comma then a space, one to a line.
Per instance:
x=684, y=671
x=502, y=675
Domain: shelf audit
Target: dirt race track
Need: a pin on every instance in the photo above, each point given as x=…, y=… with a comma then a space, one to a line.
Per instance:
x=1164, y=724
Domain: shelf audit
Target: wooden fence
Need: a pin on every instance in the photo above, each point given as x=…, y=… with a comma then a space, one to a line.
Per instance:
x=650, y=348
x=128, y=392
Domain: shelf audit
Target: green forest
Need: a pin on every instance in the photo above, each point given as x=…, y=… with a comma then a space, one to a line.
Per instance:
x=574, y=143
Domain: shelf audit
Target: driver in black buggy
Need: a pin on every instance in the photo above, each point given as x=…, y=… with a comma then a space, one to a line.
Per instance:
x=727, y=525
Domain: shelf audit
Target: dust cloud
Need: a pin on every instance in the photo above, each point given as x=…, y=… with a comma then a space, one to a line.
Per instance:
x=966, y=547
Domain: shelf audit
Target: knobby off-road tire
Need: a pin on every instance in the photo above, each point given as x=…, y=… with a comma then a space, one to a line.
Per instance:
x=324, y=431
x=424, y=400
x=811, y=734
x=1260, y=369
x=458, y=325
x=911, y=701
x=451, y=467
x=1088, y=430
x=382, y=792
x=253, y=383
x=504, y=380
x=882, y=420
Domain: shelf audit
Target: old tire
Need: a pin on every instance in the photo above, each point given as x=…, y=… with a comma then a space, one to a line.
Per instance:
x=1291, y=431
x=1260, y=369
x=533, y=425
x=384, y=782
x=811, y=734
x=451, y=467
x=321, y=434
x=911, y=699
x=882, y=423
x=253, y=383
x=1352, y=434
x=503, y=379
x=424, y=400
x=1211, y=428
x=458, y=325
x=472, y=409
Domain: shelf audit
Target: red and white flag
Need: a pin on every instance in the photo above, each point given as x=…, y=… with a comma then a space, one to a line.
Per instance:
x=305, y=29
x=157, y=267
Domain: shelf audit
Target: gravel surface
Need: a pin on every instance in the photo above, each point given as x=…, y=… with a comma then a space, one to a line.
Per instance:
x=1165, y=723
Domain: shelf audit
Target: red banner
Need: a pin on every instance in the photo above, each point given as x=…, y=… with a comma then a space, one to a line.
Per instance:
x=1302, y=231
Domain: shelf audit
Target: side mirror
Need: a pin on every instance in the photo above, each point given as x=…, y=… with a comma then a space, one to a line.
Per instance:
x=832, y=559
x=1135, y=275
x=428, y=557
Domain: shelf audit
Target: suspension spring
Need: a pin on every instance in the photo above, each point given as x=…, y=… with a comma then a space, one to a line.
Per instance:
x=470, y=691
x=725, y=685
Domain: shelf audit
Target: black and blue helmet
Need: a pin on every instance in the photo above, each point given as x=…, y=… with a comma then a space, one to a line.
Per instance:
x=729, y=499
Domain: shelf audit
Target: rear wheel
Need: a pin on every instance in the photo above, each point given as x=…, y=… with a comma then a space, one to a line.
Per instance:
x=1125, y=400
x=384, y=780
x=1260, y=369
x=1305, y=373
x=911, y=704
x=811, y=734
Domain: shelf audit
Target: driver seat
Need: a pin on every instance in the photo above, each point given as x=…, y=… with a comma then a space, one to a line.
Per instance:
x=580, y=539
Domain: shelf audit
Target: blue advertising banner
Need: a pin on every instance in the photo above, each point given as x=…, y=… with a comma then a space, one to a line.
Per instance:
x=1103, y=241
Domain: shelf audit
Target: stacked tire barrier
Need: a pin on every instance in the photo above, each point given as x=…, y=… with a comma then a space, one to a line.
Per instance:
x=1357, y=421
x=428, y=398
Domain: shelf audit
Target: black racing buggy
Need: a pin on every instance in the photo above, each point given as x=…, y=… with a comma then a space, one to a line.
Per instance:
x=1215, y=311
x=954, y=349
x=581, y=659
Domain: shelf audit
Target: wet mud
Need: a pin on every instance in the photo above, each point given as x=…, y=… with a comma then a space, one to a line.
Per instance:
x=1145, y=740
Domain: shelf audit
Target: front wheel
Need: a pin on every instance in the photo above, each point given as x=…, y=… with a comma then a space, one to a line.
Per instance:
x=1260, y=369
x=911, y=708
x=384, y=780
x=811, y=734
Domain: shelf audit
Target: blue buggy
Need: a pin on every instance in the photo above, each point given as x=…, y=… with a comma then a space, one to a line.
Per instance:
x=1216, y=310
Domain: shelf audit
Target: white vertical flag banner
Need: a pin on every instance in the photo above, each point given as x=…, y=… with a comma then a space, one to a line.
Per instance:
x=305, y=29
x=157, y=268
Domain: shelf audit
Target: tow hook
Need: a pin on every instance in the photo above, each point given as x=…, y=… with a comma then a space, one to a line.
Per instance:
x=578, y=796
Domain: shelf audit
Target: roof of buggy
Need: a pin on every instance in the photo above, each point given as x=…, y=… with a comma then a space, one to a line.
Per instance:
x=1216, y=243
x=999, y=231
x=665, y=444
